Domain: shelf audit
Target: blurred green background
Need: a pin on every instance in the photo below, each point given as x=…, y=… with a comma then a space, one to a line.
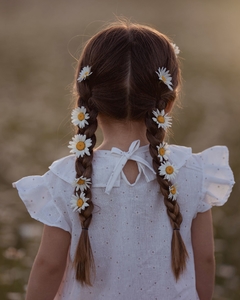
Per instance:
x=38, y=43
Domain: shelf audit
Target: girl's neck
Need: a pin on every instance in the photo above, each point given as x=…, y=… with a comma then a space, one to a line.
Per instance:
x=121, y=134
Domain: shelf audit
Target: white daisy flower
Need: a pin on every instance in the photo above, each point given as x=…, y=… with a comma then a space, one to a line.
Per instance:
x=167, y=170
x=79, y=117
x=80, y=145
x=163, y=151
x=82, y=183
x=79, y=203
x=176, y=49
x=173, y=192
x=84, y=73
x=165, y=77
x=162, y=119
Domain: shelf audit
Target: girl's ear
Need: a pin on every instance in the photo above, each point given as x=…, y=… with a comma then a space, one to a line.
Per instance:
x=169, y=106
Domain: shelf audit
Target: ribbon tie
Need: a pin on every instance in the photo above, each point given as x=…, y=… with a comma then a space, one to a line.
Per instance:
x=124, y=157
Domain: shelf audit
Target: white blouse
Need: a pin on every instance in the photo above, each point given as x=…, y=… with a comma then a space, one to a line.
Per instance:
x=130, y=231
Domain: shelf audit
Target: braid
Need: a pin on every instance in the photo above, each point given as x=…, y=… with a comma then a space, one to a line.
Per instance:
x=84, y=261
x=178, y=249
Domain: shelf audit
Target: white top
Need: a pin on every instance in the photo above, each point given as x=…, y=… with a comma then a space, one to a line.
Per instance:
x=130, y=231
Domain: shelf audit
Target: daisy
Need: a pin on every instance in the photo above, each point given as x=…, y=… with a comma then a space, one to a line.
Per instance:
x=176, y=49
x=82, y=183
x=80, y=145
x=79, y=117
x=84, y=73
x=167, y=170
x=79, y=203
x=165, y=77
x=162, y=119
x=173, y=192
x=163, y=151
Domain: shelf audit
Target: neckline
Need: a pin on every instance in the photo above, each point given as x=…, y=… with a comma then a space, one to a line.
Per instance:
x=144, y=148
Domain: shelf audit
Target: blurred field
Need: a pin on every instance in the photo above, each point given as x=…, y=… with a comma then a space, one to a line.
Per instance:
x=38, y=43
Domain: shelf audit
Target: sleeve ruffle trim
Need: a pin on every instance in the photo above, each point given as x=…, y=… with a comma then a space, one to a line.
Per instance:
x=35, y=193
x=218, y=177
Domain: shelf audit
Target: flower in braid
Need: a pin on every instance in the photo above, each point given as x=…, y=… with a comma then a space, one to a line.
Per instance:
x=85, y=118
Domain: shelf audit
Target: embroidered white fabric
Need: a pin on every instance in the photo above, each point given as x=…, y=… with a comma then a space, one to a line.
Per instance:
x=130, y=232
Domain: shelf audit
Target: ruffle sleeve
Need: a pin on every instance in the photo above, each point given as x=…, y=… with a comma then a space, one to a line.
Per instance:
x=218, y=180
x=45, y=199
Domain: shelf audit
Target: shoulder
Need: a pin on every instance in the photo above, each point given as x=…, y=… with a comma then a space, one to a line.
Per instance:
x=179, y=155
x=64, y=168
x=103, y=165
x=215, y=156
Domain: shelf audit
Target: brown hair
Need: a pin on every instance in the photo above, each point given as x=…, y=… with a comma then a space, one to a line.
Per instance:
x=124, y=59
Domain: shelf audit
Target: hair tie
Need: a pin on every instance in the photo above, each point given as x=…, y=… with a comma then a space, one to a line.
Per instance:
x=176, y=228
x=84, y=228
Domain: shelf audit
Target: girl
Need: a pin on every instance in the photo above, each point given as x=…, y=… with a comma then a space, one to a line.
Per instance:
x=130, y=219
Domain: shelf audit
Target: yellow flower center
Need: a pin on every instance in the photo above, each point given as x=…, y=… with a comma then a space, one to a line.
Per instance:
x=169, y=170
x=80, y=202
x=81, y=116
x=86, y=73
x=80, y=146
x=161, y=151
x=164, y=79
x=160, y=119
x=81, y=181
x=173, y=190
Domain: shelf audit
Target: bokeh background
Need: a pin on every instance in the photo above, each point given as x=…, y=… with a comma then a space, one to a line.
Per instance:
x=39, y=41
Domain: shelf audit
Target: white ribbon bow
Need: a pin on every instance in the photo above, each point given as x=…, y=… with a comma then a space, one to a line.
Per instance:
x=124, y=157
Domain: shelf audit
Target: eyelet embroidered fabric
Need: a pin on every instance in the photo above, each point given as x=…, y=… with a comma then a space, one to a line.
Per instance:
x=130, y=232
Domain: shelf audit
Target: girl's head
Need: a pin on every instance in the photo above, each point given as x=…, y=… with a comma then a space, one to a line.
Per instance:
x=125, y=61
